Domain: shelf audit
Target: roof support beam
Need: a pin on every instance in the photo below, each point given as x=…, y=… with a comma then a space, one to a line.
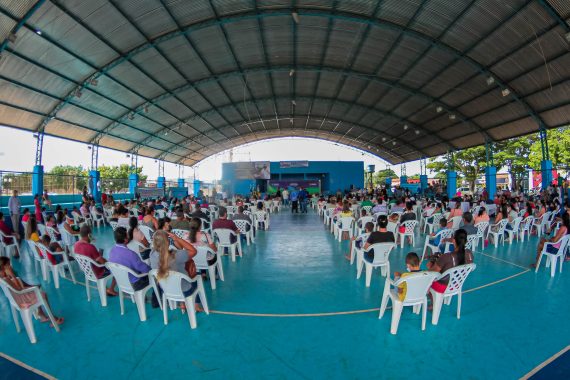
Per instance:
x=21, y=23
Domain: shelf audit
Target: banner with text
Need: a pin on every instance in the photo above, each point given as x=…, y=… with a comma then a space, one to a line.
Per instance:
x=312, y=186
x=293, y=164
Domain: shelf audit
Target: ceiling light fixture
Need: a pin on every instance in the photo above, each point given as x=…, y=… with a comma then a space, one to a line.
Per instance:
x=393, y=143
x=490, y=80
x=438, y=109
x=78, y=93
x=296, y=17
x=291, y=72
x=451, y=116
x=406, y=127
x=131, y=116
x=93, y=82
x=294, y=103
x=146, y=108
x=38, y=32
x=12, y=37
x=505, y=92
x=383, y=138
x=417, y=132
x=128, y=155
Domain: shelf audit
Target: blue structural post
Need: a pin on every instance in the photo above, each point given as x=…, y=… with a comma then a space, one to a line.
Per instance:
x=388, y=182
x=546, y=170
x=491, y=181
x=160, y=181
x=403, y=180
x=451, y=183
x=133, y=183
x=181, y=182
x=423, y=182
x=95, y=184
x=196, y=187
x=38, y=180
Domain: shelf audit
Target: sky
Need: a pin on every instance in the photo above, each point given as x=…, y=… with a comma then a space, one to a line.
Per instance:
x=17, y=153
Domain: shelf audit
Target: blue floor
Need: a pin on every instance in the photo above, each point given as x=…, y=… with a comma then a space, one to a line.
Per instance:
x=557, y=369
x=292, y=308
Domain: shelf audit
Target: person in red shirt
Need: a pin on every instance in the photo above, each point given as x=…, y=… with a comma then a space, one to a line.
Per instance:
x=10, y=235
x=85, y=248
x=224, y=222
x=38, y=208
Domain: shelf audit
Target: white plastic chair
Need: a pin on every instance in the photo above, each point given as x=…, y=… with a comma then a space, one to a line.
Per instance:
x=443, y=234
x=85, y=264
x=223, y=235
x=472, y=242
x=9, y=247
x=137, y=248
x=52, y=233
x=27, y=311
x=497, y=231
x=457, y=276
x=417, y=285
x=59, y=268
x=381, y=260
x=41, y=229
x=201, y=261
x=345, y=224
x=358, y=253
x=367, y=208
x=540, y=224
x=146, y=231
x=410, y=227
x=481, y=232
x=68, y=240
x=172, y=292
x=361, y=223
x=429, y=227
x=525, y=227
x=455, y=222
x=393, y=228
x=121, y=274
x=515, y=224
x=182, y=234
x=262, y=217
x=97, y=219
x=242, y=226
x=553, y=258
x=113, y=224
x=38, y=259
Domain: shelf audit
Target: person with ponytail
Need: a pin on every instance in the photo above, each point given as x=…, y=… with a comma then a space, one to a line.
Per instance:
x=179, y=260
x=199, y=238
x=136, y=234
x=460, y=255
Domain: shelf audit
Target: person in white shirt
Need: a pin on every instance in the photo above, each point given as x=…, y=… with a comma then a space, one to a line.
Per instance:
x=14, y=206
x=285, y=195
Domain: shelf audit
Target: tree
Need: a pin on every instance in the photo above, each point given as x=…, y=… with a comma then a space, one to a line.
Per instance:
x=380, y=176
x=116, y=178
x=469, y=163
x=558, y=148
x=65, y=179
x=514, y=155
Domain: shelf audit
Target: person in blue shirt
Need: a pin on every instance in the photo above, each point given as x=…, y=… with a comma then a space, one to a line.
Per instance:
x=294, y=201
x=303, y=196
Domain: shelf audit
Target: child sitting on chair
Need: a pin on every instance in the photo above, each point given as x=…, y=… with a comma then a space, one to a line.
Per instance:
x=412, y=265
x=360, y=240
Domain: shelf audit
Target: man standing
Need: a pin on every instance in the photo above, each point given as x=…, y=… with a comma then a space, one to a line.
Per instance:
x=295, y=201
x=285, y=197
x=14, y=206
x=303, y=195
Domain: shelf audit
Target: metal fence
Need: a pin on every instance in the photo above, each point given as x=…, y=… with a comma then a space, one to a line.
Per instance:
x=10, y=181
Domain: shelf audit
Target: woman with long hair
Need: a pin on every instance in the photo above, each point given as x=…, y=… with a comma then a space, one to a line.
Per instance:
x=482, y=216
x=149, y=219
x=179, y=260
x=460, y=256
x=556, y=239
x=135, y=234
x=199, y=238
x=38, y=208
x=32, y=232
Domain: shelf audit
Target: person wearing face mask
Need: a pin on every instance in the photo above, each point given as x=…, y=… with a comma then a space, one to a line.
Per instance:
x=412, y=265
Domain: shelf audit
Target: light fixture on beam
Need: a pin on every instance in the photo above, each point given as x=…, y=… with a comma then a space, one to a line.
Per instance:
x=490, y=80
x=505, y=92
x=406, y=127
x=438, y=109
x=78, y=93
x=394, y=143
x=131, y=116
x=451, y=116
x=93, y=82
x=291, y=72
x=383, y=138
x=417, y=132
x=38, y=32
x=295, y=16
x=12, y=37
x=294, y=103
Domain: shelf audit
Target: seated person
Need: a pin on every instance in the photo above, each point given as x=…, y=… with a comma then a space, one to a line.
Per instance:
x=224, y=222
x=7, y=231
x=380, y=236
x=437, y=240
x=52, y=246
x=468, y=224
x=85, y=248
x=442, y=262
x=136, y=234
x=553, y=249
x=412, y=265
x=359, y=240
x=198, y=213
x=180, y=223
x=120, y=254
x=8, y=274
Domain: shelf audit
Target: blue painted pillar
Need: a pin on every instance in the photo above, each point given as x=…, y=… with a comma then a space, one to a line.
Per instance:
x=196, y=187
x=160, y=181
x=133, y=183
x=181, y=182
x=95, y=185
x=491, y=181
x=451, y=183
x=546, y=171
x=423, y=182
x=403, y=180
x=38, y=180
x=388, y=182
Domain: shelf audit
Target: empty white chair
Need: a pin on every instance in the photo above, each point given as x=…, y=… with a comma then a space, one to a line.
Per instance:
x=417, y=285
x=429, y=227
x=393, y=228
x=457, y=276
x=85, y=264
x=246, y=229
x=409, y=229
x=497, y=231
x=201, y=261
x=553, y=258
x=59, y=268
x=381, y=260
x=28, y=310
x=121, y=274
x=345, y=224
x=515, y=224
x=39, y=260
x=262, y=217
x=525, y=227
x=224, y=237
x=11, y=245
x=172, y=291
x=146, y=231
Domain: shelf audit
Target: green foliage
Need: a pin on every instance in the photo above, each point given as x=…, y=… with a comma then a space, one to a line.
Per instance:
x=514, y=155
x=469, y=164
x=380, y=176
x=71, y=179
x=558, y=147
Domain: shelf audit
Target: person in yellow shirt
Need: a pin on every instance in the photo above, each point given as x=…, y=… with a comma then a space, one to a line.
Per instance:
x=413, y=266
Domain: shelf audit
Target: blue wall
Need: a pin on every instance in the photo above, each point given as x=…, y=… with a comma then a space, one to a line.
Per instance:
x=334, y=175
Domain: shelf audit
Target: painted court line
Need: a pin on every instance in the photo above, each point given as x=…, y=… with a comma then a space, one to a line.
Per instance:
x=26, y=366
x=545, y=363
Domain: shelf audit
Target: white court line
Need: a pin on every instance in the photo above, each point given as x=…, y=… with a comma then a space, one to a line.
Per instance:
x=26, y=366
x=545, y=363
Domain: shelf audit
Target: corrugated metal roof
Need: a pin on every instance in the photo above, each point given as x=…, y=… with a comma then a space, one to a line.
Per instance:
x=182, y=80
